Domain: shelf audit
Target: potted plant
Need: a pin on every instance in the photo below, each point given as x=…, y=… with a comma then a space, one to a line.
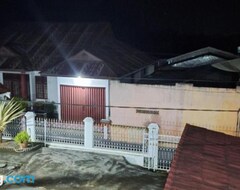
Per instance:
x=22, y=138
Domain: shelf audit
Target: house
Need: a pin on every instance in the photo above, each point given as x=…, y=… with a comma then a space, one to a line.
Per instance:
x=206, y=67
x=199, y=87
x=205, y=159
x=87, y=72
x=68, y=63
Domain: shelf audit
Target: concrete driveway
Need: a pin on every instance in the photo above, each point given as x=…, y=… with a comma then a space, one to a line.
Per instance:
x=56, y=169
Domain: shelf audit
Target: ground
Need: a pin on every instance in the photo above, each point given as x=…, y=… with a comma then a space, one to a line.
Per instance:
x=67, y=169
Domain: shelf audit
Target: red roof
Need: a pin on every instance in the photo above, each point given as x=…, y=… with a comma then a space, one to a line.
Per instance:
x=205, y=160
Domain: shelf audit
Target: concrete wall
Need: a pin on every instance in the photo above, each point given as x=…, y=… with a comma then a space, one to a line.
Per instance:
x=52, y=87
x=32, y=84
x=1, y=77
x=175, y=106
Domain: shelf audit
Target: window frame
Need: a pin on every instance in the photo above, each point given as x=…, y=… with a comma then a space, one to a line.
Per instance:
x=41, y=87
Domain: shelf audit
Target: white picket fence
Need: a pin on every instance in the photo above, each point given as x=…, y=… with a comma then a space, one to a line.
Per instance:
x=139, y=145
x=13, y=128
x=55, y=131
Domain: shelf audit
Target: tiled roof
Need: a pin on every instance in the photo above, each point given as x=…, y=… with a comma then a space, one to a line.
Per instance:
x=203, y=56
x=205, y=160
x=116, y=59
x=49, y=47
x=206, y=67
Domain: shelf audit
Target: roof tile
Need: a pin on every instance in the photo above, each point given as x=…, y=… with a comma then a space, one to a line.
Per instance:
x=204, y=160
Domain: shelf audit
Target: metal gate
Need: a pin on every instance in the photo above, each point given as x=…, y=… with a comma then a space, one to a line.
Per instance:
x=80, y=102
x=159, y=150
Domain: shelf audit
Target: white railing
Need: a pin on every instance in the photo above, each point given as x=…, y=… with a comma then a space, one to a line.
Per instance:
x=104, y=137
x=156, y=150
x=13, y=128
x=118, y=137
x=50, y=130
x=167, y=146
x=166, y=140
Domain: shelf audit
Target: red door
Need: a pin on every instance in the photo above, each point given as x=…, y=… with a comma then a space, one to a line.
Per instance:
x=80, y=102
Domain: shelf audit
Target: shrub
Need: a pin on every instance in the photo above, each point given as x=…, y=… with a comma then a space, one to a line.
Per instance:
x=22, y=137
x=45, y=107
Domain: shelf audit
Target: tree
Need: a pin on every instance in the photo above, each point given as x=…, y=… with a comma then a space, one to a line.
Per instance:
x=8, y=112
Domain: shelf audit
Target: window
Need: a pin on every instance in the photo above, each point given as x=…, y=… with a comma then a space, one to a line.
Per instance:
x=41, y=87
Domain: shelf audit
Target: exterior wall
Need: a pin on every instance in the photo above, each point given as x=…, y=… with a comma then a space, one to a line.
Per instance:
x=55, y=82
x=52, y=88
x=32, y=84
x=1, y=77
x=174, y=106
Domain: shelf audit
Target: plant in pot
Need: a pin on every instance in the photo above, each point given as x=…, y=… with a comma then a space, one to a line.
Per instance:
x=22, y=139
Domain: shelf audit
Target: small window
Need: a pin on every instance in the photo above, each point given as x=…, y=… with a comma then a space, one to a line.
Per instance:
x=41, y=87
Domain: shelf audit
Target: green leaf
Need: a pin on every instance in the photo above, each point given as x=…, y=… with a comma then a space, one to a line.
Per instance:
x=9, y=111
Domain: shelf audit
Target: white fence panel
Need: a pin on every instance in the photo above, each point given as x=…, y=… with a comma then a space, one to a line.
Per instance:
x=117, y=137
x=59, y=131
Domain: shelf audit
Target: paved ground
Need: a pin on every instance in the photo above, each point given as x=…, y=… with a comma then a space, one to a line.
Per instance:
x=64, y=169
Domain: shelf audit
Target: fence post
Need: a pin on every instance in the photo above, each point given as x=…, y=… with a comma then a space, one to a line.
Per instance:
x=88, y=132
x=23, y=123
x=30, y=125
x=105, y=123
x=45, y=131
x=153, y=129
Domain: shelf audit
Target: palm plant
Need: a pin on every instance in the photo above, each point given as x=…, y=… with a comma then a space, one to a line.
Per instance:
x=8, y=112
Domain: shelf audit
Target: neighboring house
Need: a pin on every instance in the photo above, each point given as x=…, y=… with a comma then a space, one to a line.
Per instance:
x=44, y=61
x=205, y=159
x=199, y=87
x=206, y=67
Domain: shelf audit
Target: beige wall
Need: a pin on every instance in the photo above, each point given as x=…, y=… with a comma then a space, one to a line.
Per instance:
x=170, y=100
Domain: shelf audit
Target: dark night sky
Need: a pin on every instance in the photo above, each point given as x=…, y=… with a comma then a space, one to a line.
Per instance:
x=157, y=26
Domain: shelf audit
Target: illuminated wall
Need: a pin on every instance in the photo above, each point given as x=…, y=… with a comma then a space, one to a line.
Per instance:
x=174, y=106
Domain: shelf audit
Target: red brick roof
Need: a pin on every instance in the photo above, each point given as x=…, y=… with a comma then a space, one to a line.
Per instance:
x=205, y=160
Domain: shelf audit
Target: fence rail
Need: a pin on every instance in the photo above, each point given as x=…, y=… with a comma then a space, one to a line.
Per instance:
x=125, y=138
x=14, y=128
x=167, y=143
x=51, y=130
